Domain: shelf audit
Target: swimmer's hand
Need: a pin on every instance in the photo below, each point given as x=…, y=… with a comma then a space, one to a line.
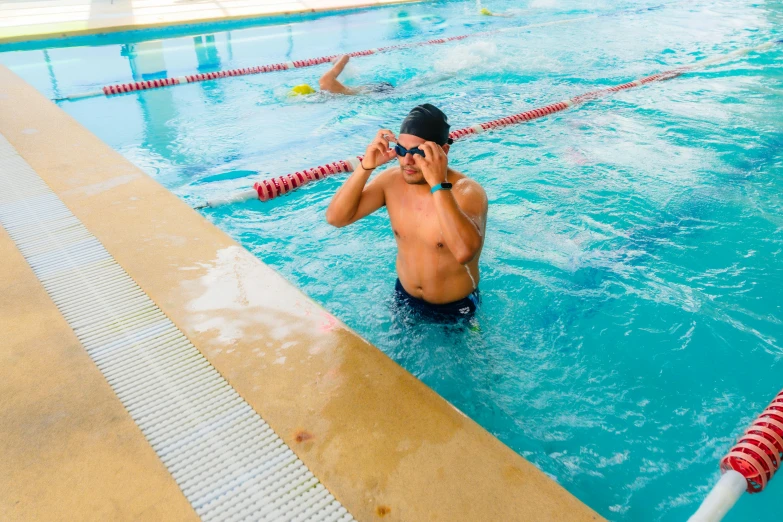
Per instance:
x=379, y=152
x=434, y=164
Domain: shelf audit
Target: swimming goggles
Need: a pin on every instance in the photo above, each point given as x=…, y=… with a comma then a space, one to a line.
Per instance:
x=402, y=151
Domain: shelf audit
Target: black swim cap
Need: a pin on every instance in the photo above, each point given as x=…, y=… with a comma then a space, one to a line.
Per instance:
x=428, y=123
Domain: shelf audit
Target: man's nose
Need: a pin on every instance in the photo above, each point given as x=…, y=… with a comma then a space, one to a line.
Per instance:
x=408, y=159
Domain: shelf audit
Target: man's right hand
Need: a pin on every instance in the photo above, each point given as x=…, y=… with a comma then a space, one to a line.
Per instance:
x=378, y=152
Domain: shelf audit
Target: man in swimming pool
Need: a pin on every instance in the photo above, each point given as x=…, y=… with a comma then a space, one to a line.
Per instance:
x=438, y=215
x=329, y=82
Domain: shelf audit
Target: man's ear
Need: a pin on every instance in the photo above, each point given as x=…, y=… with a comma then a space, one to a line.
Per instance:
x=445, y=148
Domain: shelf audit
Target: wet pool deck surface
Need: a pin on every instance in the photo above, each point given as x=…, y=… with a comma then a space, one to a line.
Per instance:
x=22, y=20
x=384, y=444
x=68, y=446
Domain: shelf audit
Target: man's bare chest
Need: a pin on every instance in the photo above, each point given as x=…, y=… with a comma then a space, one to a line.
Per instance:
x=414, y=221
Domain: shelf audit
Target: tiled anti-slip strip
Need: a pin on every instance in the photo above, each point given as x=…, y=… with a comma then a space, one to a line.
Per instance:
x=227, y=461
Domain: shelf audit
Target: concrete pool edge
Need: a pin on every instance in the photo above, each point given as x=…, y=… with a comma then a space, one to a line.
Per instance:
x=120, y=21
x=91, y=426
x=381, y=441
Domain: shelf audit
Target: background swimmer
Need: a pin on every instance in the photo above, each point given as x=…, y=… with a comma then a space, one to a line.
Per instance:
x=329, y=83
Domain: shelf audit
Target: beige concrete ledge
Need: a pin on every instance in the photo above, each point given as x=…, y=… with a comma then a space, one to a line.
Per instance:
x=68, y=449
x=23, y=20
x=382, y=442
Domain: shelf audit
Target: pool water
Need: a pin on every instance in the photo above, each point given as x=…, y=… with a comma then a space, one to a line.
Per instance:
x=632, y=271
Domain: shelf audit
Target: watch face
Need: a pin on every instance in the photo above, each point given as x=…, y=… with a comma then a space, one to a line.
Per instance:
x=446, y=185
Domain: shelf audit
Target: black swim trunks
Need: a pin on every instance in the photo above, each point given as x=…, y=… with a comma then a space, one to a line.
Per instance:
x=463, y=309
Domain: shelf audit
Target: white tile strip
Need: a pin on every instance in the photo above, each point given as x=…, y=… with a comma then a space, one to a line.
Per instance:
x=225, y=458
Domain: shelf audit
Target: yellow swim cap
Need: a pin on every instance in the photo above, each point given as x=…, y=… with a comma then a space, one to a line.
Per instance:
x=485, y=11
x=302, y=90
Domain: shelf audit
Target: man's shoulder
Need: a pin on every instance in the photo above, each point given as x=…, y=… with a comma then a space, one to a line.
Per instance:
x=468, y=187
x=456, y=177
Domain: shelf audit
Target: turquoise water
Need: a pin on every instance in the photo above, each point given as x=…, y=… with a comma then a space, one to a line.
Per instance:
x=630, y=327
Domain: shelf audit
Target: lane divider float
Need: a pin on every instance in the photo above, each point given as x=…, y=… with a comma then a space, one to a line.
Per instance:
x=124, y=88
x=271, y=188
x=749, y=465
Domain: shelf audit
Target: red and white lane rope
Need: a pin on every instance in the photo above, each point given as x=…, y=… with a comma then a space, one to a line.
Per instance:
x=122, y=88
x=273, y=187
x=749, y=465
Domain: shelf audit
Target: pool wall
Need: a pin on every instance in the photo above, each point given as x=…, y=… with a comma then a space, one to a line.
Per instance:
x=384, y=444
x=48, y=19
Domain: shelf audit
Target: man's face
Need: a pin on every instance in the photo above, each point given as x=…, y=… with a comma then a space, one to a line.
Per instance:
x=410, y=172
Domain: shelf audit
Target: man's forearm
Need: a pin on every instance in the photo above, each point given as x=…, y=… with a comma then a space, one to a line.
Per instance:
x=346, y=200
x=460, y=233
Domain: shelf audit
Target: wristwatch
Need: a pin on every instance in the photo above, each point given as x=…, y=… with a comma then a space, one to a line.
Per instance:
x=441, y=186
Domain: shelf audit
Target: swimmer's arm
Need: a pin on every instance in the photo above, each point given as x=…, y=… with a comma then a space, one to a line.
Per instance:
x=462, y=213
x=356, y=199
x=334, y=86
x=330, y=83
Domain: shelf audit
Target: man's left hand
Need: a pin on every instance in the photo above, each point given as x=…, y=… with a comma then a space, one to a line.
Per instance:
x=434, y=164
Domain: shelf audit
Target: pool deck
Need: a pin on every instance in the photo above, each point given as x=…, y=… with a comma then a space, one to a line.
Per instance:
x=384, y=444
x=68, y=445
x=22, y=20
